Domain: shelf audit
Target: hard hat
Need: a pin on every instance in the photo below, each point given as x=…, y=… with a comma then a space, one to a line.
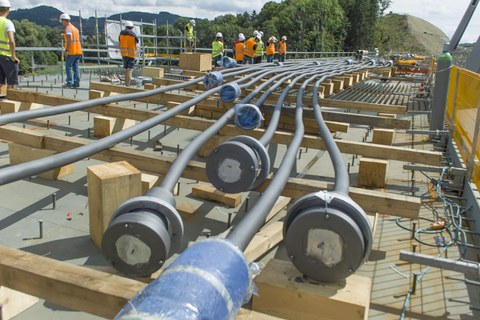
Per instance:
x=261, y=33
x=273, y=39
x=284, y=38
x=219, y=35
x=192, y=22
x=5, y=4
x=241, y=37
x=255, y=32
x=128, y=24
x=64, y=16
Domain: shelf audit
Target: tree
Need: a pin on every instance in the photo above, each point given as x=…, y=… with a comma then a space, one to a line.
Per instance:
x=29, y=34
x=384, y=5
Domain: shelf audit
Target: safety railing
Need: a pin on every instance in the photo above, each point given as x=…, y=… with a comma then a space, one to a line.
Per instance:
x=463, y=118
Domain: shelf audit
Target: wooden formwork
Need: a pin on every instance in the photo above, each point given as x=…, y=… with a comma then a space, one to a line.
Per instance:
x=104, y=293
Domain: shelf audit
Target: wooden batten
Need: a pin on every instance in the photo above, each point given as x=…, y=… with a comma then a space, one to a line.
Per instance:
x=109, y=185
x=284, y=292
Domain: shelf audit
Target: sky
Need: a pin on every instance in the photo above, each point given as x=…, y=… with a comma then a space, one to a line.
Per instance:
x=445, y=14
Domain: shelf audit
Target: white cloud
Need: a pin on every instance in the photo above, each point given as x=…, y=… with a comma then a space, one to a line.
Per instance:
x=445, y=14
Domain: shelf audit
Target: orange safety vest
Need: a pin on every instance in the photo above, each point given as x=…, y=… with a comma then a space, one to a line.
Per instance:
x=271, y=48
x=76, y=46
x=239, y=47
x=249, y=50
x=128, y=45
x=282, y=47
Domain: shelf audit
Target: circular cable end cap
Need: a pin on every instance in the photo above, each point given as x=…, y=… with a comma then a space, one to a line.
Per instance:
x=248, y=116
x=136, y=243
x=232, y=167
x=324, y=244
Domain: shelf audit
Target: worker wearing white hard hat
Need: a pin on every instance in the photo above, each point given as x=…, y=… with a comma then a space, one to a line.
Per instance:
x=189, y=35
x=239, y=47
x=8, y=59
x=217, y=49
x=282, y=49
x=250, y=48
x=72, y=52
x=259, y=49
x=128, y=41
x=270, y=48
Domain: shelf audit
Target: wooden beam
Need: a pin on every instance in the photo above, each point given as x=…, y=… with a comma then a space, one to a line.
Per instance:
x=362, y=106
x=113, y=110
x=76, y=287
x=65, y=284
x=369, y=200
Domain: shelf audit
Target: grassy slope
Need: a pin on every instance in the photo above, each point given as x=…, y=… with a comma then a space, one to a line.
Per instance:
x=408, y=34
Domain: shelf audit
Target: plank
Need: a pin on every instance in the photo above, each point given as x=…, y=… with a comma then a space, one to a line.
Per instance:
x=371, y=201
x=285, y=293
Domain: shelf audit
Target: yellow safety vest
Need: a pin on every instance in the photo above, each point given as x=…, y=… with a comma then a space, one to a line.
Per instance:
x=259, y=50
x=4, y=43
x=189, y=28
x=217, y=48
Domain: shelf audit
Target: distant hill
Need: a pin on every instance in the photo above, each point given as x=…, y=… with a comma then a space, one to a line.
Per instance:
x=406, y=33
x=48, y=16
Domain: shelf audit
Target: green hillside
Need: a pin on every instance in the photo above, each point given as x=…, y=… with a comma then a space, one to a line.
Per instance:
x=404, y=33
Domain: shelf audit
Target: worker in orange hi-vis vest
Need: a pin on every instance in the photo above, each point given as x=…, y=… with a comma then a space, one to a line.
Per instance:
x=72, y=52
x=128, y=49
x=282, y=49
x=250, y=48
x=239, y=48
x=271, y=48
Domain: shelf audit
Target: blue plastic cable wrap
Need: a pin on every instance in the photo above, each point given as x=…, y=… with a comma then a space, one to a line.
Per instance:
x=212, y=79
x=228, y=62
x=230, y=92
x=248, y=116
x=209, y=280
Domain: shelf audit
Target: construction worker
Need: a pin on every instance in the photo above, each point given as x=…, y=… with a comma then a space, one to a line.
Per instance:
x=189, y=35
x=239, y=48
x=72, y=52
x=8, y=60
x=271, y=48
x=282, y=49
x=217, y=49
x=250, y=47
x=259, y=50
x=128, y=49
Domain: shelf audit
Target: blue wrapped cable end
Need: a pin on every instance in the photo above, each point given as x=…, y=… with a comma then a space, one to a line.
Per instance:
x=210, y=280
x=212, y=79
x=228, y=62
x=230, y=92
x=248, y=116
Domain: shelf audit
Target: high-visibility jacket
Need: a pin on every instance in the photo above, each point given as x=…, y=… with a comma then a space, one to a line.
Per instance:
x=189, y=29
x=259, y=49
x=4, y=43
x=217, y=48
x=249, y=49
x=128, y=43
x=271, y=48
x=75, y=48
x=239, y=50
x=282, y=47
